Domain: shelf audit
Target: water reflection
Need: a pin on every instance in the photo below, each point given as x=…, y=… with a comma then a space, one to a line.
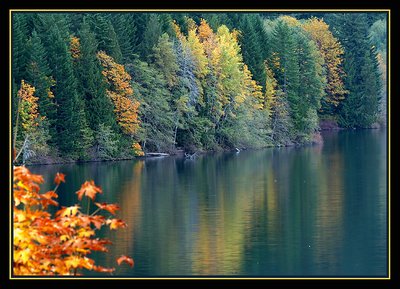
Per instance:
x=311, y=211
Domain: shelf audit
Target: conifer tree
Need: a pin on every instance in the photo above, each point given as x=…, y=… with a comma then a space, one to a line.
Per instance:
x=150, y=35
x=19, y=39
x=106, y=36
x=253, y=46
x=124, y=29
x=74, y=135
x=91, y=81
x=360, y=108
x=39, y=74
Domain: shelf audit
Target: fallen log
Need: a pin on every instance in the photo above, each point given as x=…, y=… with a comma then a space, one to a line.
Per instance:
x=156, y=154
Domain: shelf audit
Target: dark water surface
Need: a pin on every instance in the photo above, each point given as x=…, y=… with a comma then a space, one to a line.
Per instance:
x=309, y=211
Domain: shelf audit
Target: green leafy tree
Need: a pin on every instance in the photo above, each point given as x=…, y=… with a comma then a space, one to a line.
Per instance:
x=165, y=59
x=107, y=142
x=305, y=106
x=156, y=116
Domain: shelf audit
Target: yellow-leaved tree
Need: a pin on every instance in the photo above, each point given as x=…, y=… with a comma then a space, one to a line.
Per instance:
x=332, y=53
x=30, y=137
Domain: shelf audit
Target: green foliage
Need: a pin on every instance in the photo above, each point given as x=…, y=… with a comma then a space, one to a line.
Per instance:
x=307, y=101
x=378, y=35
x=99, y=108
x=200, y=81
x=297, y=64
x=106, y=36
x=125, y=30
x=39, y=75
x=71, y=119
x=19, y=39
x=106, y=142
x=165, y=59
x=151, y=33
x=360, y=64
x=155, y=112
x=254, y=45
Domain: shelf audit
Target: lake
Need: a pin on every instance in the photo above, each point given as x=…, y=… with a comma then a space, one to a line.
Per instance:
x=308, y=211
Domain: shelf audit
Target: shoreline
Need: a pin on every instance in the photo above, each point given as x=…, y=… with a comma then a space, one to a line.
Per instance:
x=316, y=141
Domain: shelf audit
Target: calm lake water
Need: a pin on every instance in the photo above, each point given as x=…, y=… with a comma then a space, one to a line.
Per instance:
x=310, y=211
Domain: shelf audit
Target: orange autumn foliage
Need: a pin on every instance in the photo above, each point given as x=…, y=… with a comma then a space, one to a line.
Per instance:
x=60, y=243
x=204, y=30
x=137, y=149
x=108, y=207
x=89, y=189
x=121, y=93
x=59, y=178
x=125, y=259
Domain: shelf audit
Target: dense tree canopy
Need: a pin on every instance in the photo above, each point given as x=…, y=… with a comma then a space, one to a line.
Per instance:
x=107, y=85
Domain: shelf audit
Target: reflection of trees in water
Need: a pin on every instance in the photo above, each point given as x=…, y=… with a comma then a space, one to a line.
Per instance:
x=130, y=202
x=275, y=211
x=224, y=219
x=329, y=219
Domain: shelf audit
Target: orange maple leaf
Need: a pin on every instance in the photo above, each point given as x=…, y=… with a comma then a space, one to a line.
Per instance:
x=108, y=207
x=116, y=223
x=59, y=178
x=97, y=221
x=68, y=212
x=89, y=189
x=125, y=259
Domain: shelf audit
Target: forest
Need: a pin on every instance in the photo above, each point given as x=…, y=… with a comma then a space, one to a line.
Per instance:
x=108, y=86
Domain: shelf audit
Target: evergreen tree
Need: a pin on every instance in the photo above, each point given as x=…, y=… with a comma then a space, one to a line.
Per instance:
x=166, y=21
x=73, y=134
x=150, y=35
x=138, y=23
x=91, y=82
x=360, y=108
x=39, y=74
x=304, y=107
x=75, y=21
x=124, y=30
x=106, y=36
x=286, y=65
x=285, y=61
x=253, y=45
x=19, y=39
